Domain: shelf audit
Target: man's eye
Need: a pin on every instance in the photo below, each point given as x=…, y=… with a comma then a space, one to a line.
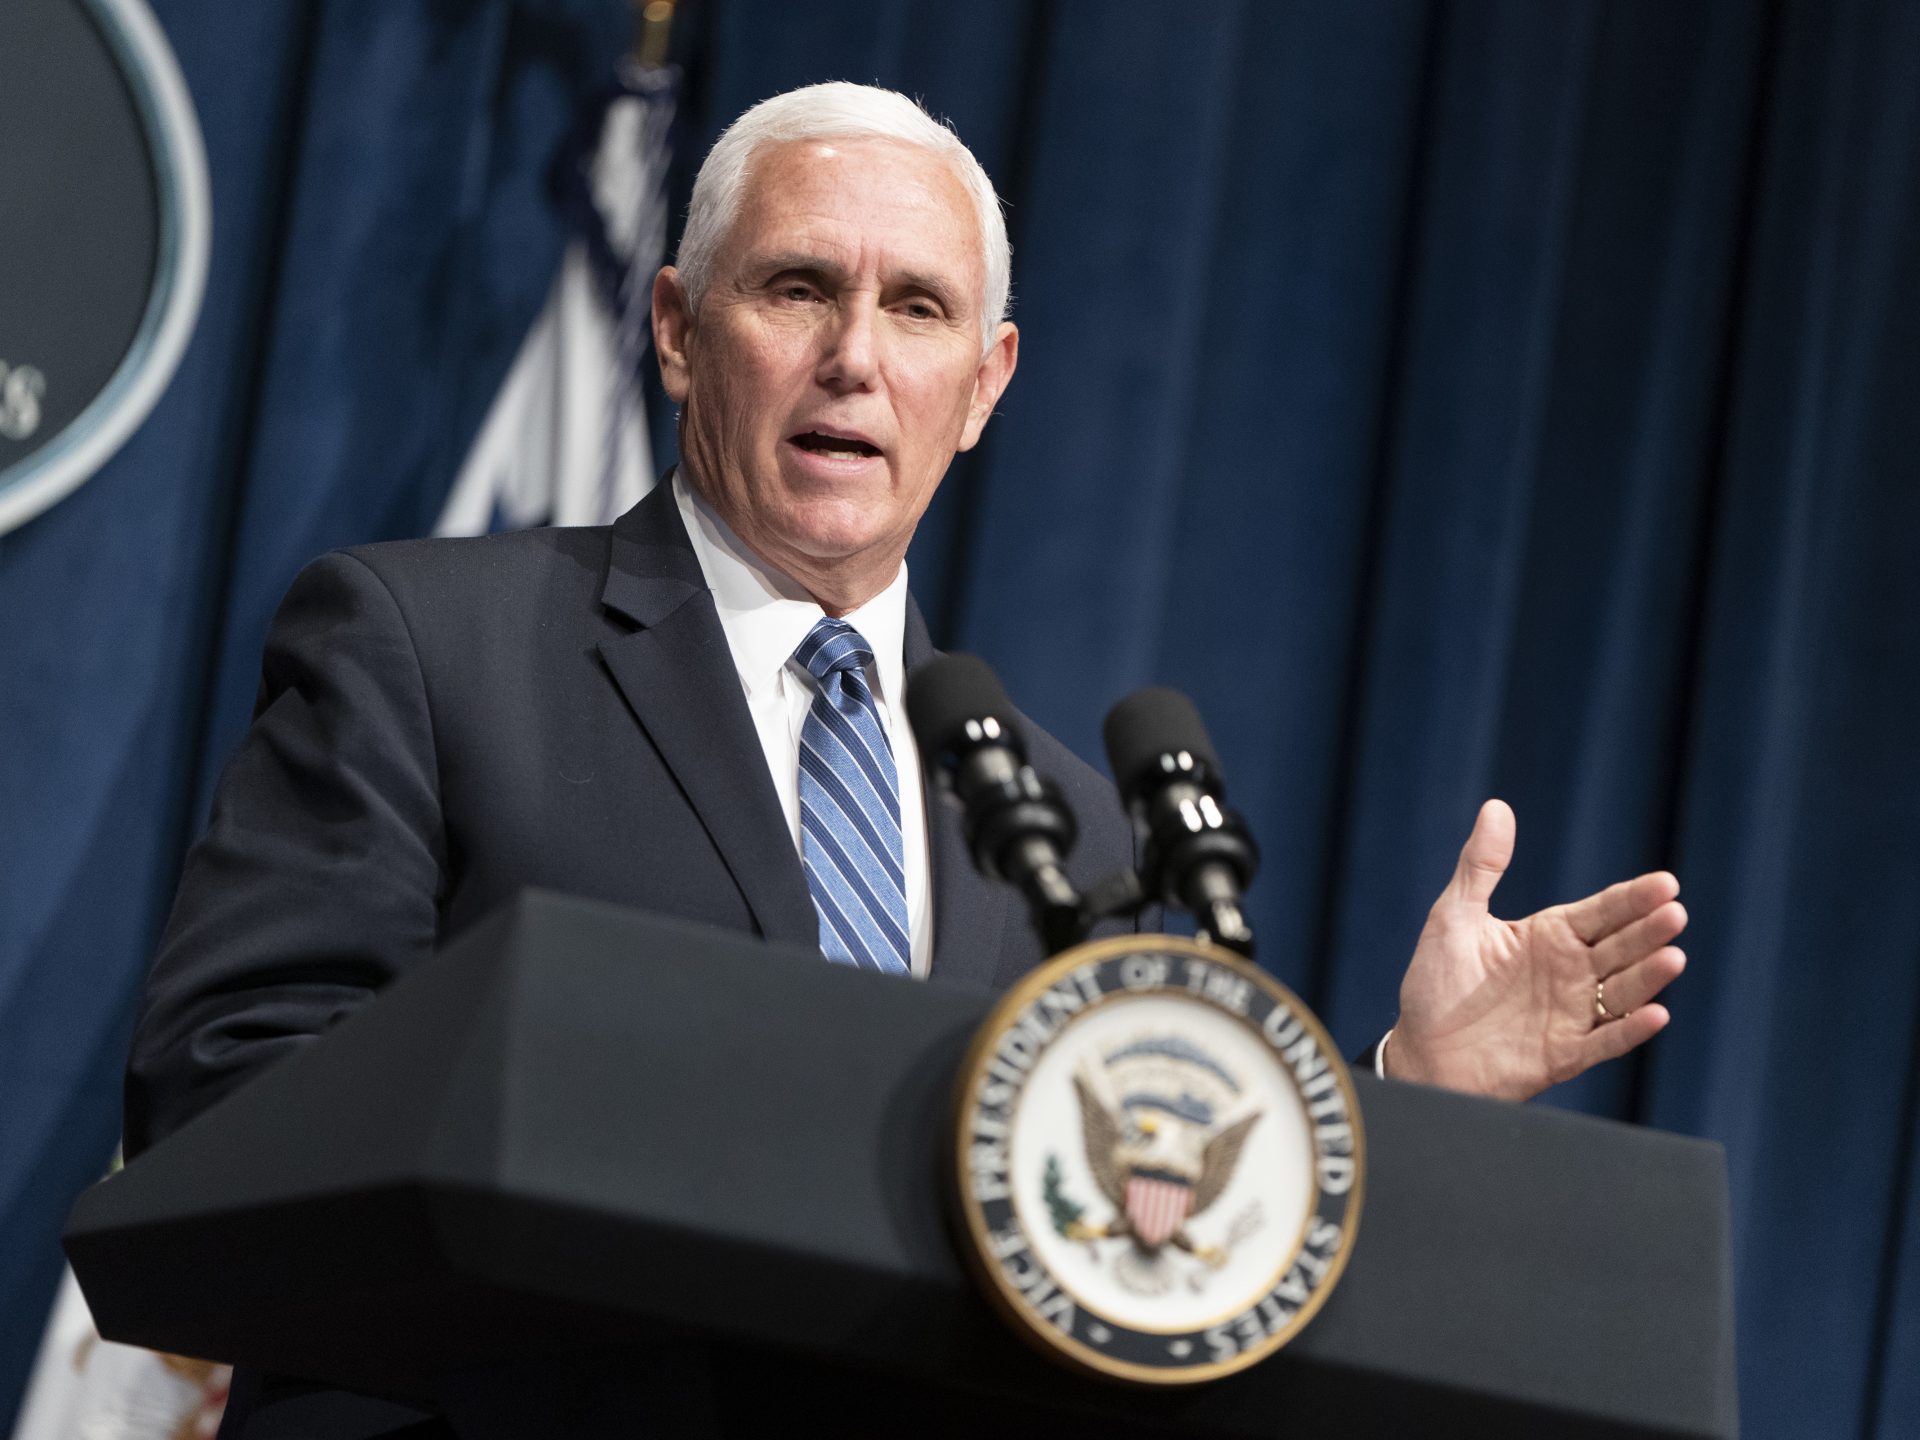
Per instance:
x=921, y=310
x=795, y=290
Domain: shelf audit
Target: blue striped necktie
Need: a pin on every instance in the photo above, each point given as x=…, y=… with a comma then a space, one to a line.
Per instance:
x=850, y=839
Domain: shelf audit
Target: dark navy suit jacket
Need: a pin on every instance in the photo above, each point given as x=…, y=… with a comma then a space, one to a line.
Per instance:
x=443, y=722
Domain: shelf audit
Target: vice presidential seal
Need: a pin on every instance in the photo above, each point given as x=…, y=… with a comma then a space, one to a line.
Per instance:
x=1159, y=1160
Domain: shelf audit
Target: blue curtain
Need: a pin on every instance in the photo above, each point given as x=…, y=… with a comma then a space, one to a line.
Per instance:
x=1456, y=399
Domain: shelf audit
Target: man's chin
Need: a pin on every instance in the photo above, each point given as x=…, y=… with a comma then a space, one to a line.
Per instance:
x=829, y=547
x=822, y=553
x=834, y=526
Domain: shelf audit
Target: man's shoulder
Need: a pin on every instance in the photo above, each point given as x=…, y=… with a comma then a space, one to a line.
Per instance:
x=485, y=560
x=456, y=595
x=465, y=579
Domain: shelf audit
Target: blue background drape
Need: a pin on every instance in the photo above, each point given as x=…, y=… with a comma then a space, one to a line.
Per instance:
x=1456, y=399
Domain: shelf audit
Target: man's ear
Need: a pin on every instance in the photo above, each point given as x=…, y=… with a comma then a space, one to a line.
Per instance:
x=672, y=328
x=996, y=369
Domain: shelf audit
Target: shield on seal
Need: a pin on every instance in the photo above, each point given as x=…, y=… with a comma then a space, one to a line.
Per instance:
x=1157, y=1205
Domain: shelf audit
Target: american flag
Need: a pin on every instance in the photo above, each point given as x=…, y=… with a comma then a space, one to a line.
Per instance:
x=565, y=441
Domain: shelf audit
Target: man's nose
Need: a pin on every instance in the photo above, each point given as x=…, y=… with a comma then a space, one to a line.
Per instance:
x=849, y=357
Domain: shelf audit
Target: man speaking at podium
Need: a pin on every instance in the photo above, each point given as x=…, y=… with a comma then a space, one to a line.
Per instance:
x=698, y=710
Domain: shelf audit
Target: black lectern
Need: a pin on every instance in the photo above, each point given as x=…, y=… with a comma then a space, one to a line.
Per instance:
x=591, y=1167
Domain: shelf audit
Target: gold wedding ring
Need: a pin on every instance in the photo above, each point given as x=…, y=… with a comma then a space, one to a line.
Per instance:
x=1601, y=1014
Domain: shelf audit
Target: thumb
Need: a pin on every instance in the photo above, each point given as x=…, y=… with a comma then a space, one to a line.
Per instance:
x=1486, y=855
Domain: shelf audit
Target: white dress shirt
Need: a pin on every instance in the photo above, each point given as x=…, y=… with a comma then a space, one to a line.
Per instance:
x=765, y=616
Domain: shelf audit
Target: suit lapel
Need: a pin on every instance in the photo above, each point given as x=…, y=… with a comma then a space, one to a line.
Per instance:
x=970, y=912
x=677, y=675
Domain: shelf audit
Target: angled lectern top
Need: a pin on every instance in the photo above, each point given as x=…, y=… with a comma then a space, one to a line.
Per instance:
x=587, y=1158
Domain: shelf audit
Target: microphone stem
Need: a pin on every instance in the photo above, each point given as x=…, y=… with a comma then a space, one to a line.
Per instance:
x=1213, y=896
x=1051, y=896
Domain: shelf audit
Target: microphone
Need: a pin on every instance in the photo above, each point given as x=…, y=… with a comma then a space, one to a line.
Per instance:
x=1018, y=828
x=1198, y=855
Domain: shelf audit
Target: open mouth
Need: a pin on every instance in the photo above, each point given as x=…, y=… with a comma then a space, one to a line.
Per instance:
x=838, y=447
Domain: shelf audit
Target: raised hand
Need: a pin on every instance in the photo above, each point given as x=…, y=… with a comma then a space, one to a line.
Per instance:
x=1509, y=1007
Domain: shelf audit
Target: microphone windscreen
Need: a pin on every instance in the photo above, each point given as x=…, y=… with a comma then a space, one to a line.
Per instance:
x=1149, y=724
x=944, y=694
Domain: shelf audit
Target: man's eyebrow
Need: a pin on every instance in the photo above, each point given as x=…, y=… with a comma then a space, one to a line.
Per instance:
x=932, y=285
x=805, y=262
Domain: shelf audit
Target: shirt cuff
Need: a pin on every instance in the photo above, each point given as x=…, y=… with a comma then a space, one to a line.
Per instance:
x=1380, y=1055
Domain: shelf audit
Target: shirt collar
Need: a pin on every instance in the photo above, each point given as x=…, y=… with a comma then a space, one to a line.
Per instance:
x=766, y=614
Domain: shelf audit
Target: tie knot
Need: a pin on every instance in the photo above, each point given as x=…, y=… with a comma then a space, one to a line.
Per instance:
x=833, y=645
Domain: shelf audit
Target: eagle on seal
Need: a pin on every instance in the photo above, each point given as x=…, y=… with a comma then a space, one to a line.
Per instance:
x=1161, y=1163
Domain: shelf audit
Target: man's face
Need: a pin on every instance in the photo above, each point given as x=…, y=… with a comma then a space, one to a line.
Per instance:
x=834, y=367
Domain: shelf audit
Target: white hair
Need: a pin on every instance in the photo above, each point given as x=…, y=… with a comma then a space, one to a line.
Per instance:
x=819, y=112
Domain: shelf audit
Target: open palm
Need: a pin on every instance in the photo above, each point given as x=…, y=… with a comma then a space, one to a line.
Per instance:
x=1506, y=1007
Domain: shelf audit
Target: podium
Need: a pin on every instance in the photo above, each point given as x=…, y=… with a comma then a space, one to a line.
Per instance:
x=591, y=1169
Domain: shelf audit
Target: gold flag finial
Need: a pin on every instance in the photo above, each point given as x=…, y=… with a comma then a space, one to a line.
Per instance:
x=653, y=25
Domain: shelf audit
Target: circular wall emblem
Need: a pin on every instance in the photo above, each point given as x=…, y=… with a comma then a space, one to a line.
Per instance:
x=1159, y=1160
x=103, y=260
